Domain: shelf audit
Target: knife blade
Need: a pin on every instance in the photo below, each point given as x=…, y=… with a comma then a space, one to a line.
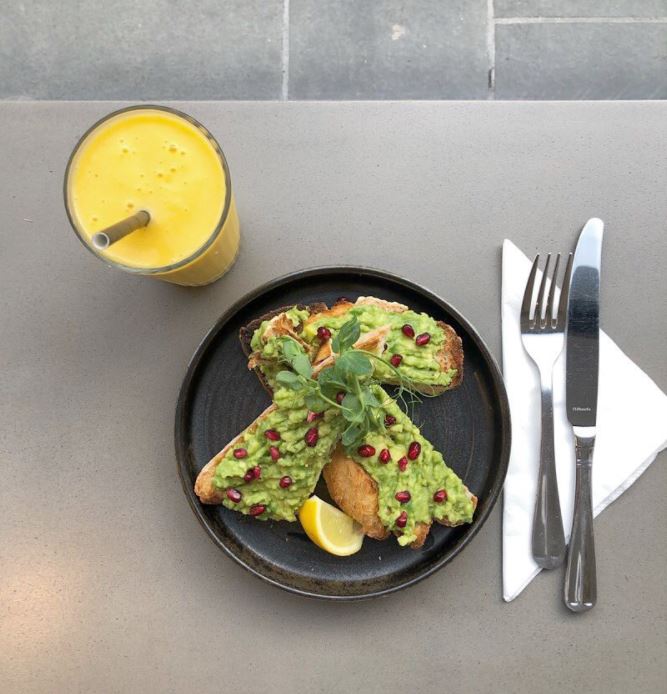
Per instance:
x=583, y=328
x=581, y=386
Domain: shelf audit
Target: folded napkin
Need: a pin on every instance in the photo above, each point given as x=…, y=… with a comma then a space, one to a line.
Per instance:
x=619, y=459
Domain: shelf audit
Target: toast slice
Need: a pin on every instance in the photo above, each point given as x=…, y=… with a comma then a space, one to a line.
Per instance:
x=249, y=473
x=230, y=480
x=430, y=368
x=364, y=487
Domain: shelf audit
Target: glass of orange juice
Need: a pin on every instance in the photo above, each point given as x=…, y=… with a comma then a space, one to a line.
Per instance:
x=161, y=161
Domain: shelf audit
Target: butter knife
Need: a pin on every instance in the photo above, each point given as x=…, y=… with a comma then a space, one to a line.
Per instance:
x=581, y=381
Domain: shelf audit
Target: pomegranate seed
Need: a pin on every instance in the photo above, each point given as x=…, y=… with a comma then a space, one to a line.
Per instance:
x=440, y=496
x=366, y=451
x=403, y=497
x=254, y=473
x=385, y=456
x=257, y=510
x=311, y=436
x=240, y=453
x=389, y=420
x=414, y=449
x=408, y=330
x=312, y=416
x=402, y=520
x=285, y=482
x=340, y=397
x=234, y=495
x=403, y=464
x=396, y=360
x=272, y=435
x=274, y=453
x=423, y=339
x=323, y=333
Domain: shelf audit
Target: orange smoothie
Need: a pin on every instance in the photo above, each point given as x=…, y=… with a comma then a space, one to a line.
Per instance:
x=158, y=160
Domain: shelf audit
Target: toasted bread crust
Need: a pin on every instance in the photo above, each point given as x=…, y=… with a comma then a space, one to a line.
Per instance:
x=388, y=306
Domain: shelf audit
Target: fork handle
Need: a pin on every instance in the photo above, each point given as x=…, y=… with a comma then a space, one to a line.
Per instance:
x=548, y=537
x=580, y=574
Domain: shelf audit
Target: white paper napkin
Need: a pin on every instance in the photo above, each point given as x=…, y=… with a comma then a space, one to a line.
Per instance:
x=631, y=429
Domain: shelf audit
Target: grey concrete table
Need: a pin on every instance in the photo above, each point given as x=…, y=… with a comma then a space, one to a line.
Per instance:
x=107, y=582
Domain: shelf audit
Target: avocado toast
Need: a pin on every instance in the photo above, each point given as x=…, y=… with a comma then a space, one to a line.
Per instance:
x=394, y=481
x=420, y=349
x=272, y=467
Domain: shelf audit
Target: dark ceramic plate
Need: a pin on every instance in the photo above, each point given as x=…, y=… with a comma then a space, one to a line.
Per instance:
x=219, y=397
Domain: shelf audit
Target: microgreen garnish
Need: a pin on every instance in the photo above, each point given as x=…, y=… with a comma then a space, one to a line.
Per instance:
x=352, y=374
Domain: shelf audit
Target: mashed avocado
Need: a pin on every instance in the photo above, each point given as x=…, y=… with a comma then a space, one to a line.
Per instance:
x=298, y=466
x=422, y=477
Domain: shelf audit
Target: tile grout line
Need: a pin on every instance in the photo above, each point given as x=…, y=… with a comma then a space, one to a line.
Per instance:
x=285, y=52
x=491, y=49
x=580, y=20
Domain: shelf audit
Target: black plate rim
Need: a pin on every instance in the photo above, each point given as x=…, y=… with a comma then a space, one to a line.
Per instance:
x=505, y=429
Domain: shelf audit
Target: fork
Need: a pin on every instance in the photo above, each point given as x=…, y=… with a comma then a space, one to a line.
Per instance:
x=543, y=338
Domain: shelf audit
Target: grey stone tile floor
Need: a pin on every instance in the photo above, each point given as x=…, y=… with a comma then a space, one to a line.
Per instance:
x=333, y=49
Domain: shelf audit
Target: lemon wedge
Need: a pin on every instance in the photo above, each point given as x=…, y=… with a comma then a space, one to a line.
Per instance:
x=329, y=528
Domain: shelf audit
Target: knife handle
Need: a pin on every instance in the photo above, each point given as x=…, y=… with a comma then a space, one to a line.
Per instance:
x=548, y=542
x=580, y=574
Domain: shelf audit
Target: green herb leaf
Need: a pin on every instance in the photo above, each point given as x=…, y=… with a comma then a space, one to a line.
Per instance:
x=352, y=435
x=346, y=336
x=296, y=357
x=287, y=379
x=315, y=403
x=325, y=376
x=301, y=364
x=353, y=409
x=329, y=383
x=290, y=348
x=354, y=363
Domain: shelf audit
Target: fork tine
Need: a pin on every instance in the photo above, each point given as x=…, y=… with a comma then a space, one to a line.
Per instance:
x=549, y=313
x=528, y=293
x=564, y=294
x=541, y=295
